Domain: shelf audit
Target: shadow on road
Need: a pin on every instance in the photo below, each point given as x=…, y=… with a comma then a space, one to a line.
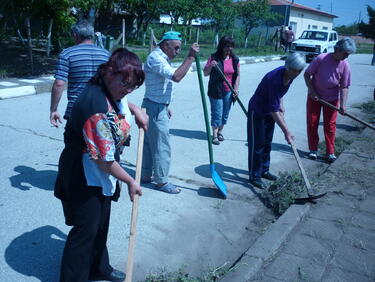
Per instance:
x=227, y=173
x=285, y=148
x=191, y=134
x=30, y=177
x=37, y=253
x=345, y=127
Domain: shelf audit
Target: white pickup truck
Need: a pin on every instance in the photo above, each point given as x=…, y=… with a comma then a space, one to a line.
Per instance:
x=314, y=42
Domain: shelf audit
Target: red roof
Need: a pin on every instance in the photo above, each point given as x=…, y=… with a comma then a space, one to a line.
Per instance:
x=298, y=6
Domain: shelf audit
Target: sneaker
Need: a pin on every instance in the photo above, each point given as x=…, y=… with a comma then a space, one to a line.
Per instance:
x=313, y=155
x=331, y=158
x=258, y=183
x=268, y=175
x=215, y=141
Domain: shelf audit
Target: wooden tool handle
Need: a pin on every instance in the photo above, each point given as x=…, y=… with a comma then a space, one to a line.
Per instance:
x=347, y=114
x=308, y=186
x=133, y=223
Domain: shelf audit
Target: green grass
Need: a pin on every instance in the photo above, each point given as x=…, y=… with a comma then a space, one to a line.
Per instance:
x=282, y=193
x=181, y=275
x=3, y=73
x=205, y=51
x=364, y=48
x=341, y=145
x=368, y=108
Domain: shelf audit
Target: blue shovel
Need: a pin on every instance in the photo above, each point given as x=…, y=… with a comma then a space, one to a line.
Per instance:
x=214, y=175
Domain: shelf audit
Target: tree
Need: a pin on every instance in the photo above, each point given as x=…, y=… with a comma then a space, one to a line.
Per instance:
x=144, y=11
x=253, y=13
x=348, y=29
x=222, y=15
x=368, y=30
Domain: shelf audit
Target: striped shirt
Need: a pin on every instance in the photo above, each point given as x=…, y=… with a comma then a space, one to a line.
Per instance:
x=77, y=64
x=159, y=73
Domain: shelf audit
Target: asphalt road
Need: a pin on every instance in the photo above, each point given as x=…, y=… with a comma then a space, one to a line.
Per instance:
x=195, y=229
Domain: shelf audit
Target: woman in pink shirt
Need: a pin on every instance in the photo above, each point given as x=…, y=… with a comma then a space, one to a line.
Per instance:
x=327, y=78
x=218, y=92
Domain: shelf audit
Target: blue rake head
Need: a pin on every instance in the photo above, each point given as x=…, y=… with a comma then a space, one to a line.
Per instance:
x=218, y=181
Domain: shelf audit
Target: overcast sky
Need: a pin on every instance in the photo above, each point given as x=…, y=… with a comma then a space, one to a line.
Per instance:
x=348, y=11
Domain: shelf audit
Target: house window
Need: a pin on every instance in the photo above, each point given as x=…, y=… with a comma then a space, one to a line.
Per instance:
x=325, y=28
x=314, y=27
x=293, y=25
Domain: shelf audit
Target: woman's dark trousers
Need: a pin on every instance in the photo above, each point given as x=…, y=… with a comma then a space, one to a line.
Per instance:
x=260, y=128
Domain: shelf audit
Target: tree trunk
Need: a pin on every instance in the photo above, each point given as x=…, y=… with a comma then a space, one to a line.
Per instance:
x=259, y=39
x=91, y=16
x=144, y=38
x=246, y=37
x=190, y=30
x=216, y=39
x=185, y=35
x=29, y=46
x=123, y=33
x=48, y=51
x=153, y=41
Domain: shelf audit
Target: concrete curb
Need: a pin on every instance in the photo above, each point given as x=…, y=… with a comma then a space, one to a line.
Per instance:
x=19, y=91
x=267, y=245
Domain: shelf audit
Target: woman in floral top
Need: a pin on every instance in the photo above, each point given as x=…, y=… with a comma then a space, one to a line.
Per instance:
x=89, y=166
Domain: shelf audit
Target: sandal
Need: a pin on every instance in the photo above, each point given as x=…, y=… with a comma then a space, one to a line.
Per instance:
x=169, y=188
x=215, y=141
x=220, y=137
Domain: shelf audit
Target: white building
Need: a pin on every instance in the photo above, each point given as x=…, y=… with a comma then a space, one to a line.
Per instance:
x=301, y=17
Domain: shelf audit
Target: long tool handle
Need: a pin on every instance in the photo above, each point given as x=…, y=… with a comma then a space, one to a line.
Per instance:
x=346, y=114
x=307, y=182
x=208, y=130
x=133, y=223
x=231, y=89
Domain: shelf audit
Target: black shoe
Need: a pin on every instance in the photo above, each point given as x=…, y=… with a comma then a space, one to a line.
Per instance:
x=268, y=175
x=258, y=183
x=215, y=141
x=115, y=275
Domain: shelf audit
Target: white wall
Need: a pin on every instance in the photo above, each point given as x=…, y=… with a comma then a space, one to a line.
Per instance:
x=306, y=20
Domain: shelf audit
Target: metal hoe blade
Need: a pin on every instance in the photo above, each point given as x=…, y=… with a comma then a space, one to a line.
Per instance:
x=310, y=197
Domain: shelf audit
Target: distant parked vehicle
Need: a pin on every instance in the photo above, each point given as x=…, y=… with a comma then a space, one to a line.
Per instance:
x=314, y=42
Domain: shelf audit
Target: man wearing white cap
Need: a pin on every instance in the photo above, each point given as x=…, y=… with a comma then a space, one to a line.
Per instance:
x=159, y=92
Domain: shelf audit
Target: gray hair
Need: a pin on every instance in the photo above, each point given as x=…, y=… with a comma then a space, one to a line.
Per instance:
x=295, y=61
x=83, y=30
x=346, y=44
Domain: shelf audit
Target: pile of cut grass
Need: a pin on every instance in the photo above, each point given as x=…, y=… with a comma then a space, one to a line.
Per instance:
x=282, y=193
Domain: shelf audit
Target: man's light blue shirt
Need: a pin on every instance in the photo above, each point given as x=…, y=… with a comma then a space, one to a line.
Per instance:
x=159, y=73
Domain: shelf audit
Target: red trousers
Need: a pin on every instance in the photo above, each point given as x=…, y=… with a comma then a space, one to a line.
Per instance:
x=313, y=109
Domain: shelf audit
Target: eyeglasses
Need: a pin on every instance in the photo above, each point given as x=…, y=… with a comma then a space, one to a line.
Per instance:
x=129, y=86
x=176, y=48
